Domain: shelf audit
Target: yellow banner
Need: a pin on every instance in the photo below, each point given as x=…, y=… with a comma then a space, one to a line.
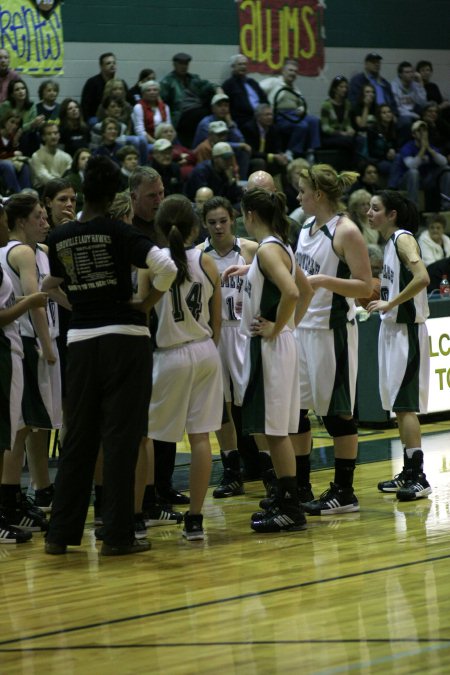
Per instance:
x=34, y=40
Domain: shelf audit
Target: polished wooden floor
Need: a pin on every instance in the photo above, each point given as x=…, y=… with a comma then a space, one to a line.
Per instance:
x=358, y=593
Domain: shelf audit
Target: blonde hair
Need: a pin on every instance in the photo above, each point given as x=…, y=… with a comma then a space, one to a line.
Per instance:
x=110, y=85
x=121, y=205
x=326, y=179
x=356, y=198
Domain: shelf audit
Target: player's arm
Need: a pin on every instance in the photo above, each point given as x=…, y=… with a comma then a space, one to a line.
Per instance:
x=306, y=293
x=215, y=303
x=24, y=261
x=275, y=263
x=409, y=254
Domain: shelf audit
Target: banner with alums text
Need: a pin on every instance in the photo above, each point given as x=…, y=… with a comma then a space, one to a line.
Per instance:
x=33, y=35
x=271, y=31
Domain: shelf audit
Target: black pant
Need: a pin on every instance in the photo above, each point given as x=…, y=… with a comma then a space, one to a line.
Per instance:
x=107, y=401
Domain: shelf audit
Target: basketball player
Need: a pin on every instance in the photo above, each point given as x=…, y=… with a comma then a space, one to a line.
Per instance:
x=403, y=351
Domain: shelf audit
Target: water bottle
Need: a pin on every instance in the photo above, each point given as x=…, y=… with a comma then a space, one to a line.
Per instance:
x=444, y=288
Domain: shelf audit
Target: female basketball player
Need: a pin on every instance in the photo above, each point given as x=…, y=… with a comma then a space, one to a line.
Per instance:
x=226, y=250
x=403, y=351
x=187, y=376
x=276, y=295
x=25, y=259
x=11, y=379
x=332, y=253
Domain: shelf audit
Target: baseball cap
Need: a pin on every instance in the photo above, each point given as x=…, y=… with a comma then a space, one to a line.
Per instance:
x=217, y=98
x=222, y=150
x=161, y=144
x=373, y=56
x=417, y=124
x=217, y=127
x=182, y=57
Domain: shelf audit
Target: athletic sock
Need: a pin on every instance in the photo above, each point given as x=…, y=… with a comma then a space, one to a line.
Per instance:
x=303, y=465
x=149, y=497
x=415, y=461
x=288, y=494
x=10, y=495
x=343, y=472
x=231, y=460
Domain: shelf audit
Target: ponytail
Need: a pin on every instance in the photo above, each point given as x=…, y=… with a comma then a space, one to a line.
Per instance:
x=271, y=208
x=176, y=219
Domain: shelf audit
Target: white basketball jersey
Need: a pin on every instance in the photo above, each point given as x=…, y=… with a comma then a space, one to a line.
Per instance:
x=232, y=287
x=42, y=270
x=394, y=278
x=183, y=311
x=10, y=332
x=315, y=255
x=261, y=296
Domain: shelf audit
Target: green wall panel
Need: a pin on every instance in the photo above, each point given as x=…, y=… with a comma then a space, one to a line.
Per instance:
x=403, y=24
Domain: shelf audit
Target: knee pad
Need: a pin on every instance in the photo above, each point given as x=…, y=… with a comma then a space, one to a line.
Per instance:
x=304, y=423
x=338, y=426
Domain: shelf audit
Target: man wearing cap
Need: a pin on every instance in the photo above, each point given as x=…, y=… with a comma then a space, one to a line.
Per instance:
x=421, y=165
x=244, y=92
x=220, y=106
x=217, y=173
x=188, y=97
x=300, y=131
x=162, y=162
x=371, y=75
x=217, y=132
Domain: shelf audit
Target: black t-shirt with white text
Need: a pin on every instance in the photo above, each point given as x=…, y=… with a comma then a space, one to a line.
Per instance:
x=95, y=260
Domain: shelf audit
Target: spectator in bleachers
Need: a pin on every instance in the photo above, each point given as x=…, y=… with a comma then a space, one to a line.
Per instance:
x=113, y=107
x=76, y=172
x=128, y=157
x=184, y=157
x=371, y=75
x=6, y=74
x=109, y=147
x=150, y=111
x=14, y=170
x=434, y=243
x=290, y=187
x=48, y=93
x=422, y=166
x=163, y=163
x=425, y=70
x=18, y=99
x=410, y=97
x=438, y=127
x=299, y=130
x=244, y=92
x=363, y=112
x=382, y=144
x=92, y=93
x=218, y=174
x=358, y=207
x=116, y=89
x=74, y=130
x=220, y=107
x=134, y=93
x=217, y=131
x=49, y=161
x=336, y=125
x=368, y=178
x=188, y=97
x=265, y=142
